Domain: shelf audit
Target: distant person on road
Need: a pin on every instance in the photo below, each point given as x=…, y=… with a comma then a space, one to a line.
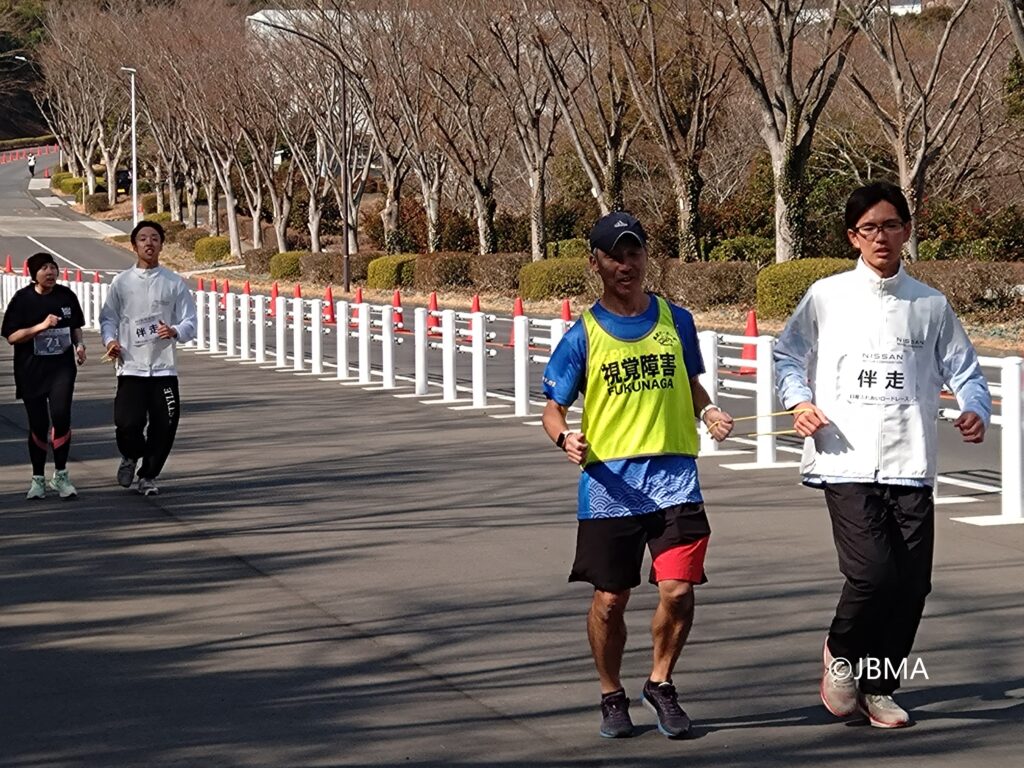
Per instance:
x=43, y=322
x=636, y=360
x=32, y=165
x=862, y=362
x=148, y=311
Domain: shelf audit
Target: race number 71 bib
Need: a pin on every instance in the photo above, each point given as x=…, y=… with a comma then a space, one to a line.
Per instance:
x=144, y=330
x=885, y=378
x=52, y=341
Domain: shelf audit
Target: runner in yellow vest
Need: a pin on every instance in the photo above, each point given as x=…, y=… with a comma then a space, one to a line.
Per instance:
x=636, y=360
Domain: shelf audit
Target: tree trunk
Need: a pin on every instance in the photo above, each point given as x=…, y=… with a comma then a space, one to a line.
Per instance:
x=212, y=219
x=538, y=202
x=789, y=167
x=158, y=187
x=431, y=191
x=111, y=166
x=230, y=205
x=612, y=198
x=483, y=201
x=688, y=192
x=390, y=215
x=313, y=219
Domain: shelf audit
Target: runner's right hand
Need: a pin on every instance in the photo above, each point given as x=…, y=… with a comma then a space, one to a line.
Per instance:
x=114, y=349
x=51, y=321
x=576, y=447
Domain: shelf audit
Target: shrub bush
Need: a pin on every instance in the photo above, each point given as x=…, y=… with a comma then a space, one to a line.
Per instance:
x=172, y=229
x=554, y=279
x=389, y=272
x=980, y=249
x=701, y=285
x=781, y=286
x=984, y=291
x=71, y=185
x=575, y=248
x=320, y=267
x=188, y=238
x=358, y=263
x=287, y=265
x=211, y=249
x=96, y=203
x=257, y=260
x=163, y=217
x=121, y=238
x=148, y=203
x=934, y=249
x=497, y=271
x=57, y=178
x=439, y=270
x=759, y=251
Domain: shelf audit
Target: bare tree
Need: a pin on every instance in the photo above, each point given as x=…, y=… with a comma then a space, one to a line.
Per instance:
x=792, y=53
x=1015, y=14
x=680, y=79
x=920, y=111
x=591, y=92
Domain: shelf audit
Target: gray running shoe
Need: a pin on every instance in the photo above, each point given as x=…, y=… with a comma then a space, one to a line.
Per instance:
x=882, y=711
x=662, y=700
x=147, y=487
x=126, y=472
x=838, y=685
x=615, y=722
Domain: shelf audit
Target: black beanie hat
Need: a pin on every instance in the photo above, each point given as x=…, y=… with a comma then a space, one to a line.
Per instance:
x=37, y=261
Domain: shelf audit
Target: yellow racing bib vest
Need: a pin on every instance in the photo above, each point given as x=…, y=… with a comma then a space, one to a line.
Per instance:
x=638, y=401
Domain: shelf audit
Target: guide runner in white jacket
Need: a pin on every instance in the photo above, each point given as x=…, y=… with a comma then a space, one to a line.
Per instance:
x=148, y=311
x=862, y=362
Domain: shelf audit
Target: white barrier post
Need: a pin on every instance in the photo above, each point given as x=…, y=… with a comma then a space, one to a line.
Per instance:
x=478, y=326
x=765, y=399
x=557, y=332
x=97, y=305
x=84, y=298
x=213, y=315
x=259, y=319
x=521, y=331
x=387, y=341
x=244, y=320
x=316, y=344
x=709, y=380
x=448, y=355
x=343, y=333
x=420, y=344
x=280, y=331
x=298, y=334
x=1012, y=381
x=364, y=342
x=200, y=320
x=230, y=314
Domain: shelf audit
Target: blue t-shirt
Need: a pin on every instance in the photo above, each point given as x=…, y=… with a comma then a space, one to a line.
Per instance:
x=628, y=486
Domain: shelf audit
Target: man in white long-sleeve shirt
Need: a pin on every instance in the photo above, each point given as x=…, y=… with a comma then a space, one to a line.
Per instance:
x=148, y=312
x=862, y=361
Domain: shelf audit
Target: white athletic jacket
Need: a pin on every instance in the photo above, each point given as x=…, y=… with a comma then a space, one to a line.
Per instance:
x=873, y=353
x=138, y=300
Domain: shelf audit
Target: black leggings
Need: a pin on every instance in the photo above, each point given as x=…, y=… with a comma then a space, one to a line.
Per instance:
x=140, y=399
x=55, y=406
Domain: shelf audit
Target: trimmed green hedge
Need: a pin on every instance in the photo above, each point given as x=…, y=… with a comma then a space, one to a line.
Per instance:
x=58, y=178
x=320, y=267
x=257, y=260
x=287, y=265
x=389, y=272
x=554, y=279
x=172, y=229
x=781, y=286
x=211, y=249
x=497, y=271
x=188, y=238
x=575, y=248
x=164, y=217
x=148, y=203
x=71, y=185
x=983, y=291
x=701, y=285
x=96, y=203
x=436, y=271
x=29, y=142
x=359, y=264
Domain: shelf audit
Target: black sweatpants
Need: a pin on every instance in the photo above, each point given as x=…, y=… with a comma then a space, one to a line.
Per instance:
x=55, y=407
x=140, y=399
x=885, y=537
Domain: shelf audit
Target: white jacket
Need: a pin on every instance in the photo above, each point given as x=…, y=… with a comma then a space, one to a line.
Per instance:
x=873, y=353
x=138, y=300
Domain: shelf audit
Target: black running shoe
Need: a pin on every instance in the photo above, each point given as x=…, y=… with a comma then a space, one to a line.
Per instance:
x=615, y=722
x=661, y=699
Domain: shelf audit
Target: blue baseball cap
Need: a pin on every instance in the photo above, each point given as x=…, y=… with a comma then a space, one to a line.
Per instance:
x=611, y=228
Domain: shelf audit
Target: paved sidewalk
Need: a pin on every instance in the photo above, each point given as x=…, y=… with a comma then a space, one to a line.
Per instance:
x=340, y=577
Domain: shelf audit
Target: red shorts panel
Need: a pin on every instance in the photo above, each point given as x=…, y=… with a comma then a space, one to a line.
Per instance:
x=682, y=563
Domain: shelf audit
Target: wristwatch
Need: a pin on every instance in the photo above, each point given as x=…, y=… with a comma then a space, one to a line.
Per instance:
x=705, y=409
x=560, y=440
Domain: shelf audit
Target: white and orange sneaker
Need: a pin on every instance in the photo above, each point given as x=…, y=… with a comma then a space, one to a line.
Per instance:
x=882, y=711
x=838, y=685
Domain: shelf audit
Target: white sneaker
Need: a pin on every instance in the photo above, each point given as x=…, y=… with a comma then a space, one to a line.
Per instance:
x=147, y=487
x=838, y=685
x=61, y=483
x=882, y=711
x=38, y=488
x=126, y=472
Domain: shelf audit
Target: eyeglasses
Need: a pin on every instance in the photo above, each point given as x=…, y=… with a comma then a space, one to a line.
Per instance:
x=889, y=227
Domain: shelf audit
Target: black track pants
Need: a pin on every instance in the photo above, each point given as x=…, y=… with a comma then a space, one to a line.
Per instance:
x=142, y=399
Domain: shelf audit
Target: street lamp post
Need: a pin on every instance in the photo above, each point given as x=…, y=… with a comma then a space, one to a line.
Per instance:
x=135, y=153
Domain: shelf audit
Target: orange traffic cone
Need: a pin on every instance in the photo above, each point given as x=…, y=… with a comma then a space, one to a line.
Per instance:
x=432, y=321
x=749, y=350
x=46, y=173
x=273, y=300
x=297, y=291
x=517, y=311
x=213, y=286
x=566, y=311
x=475, y=305
x=247, y=289
x=329, y=306
x=356, y=300
x=224, y=296
x=96, y=277
x=78, y=275
x=24, y=269
x=396, y=303
x=66, y=275
x=199, y=285
x=8, y=268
